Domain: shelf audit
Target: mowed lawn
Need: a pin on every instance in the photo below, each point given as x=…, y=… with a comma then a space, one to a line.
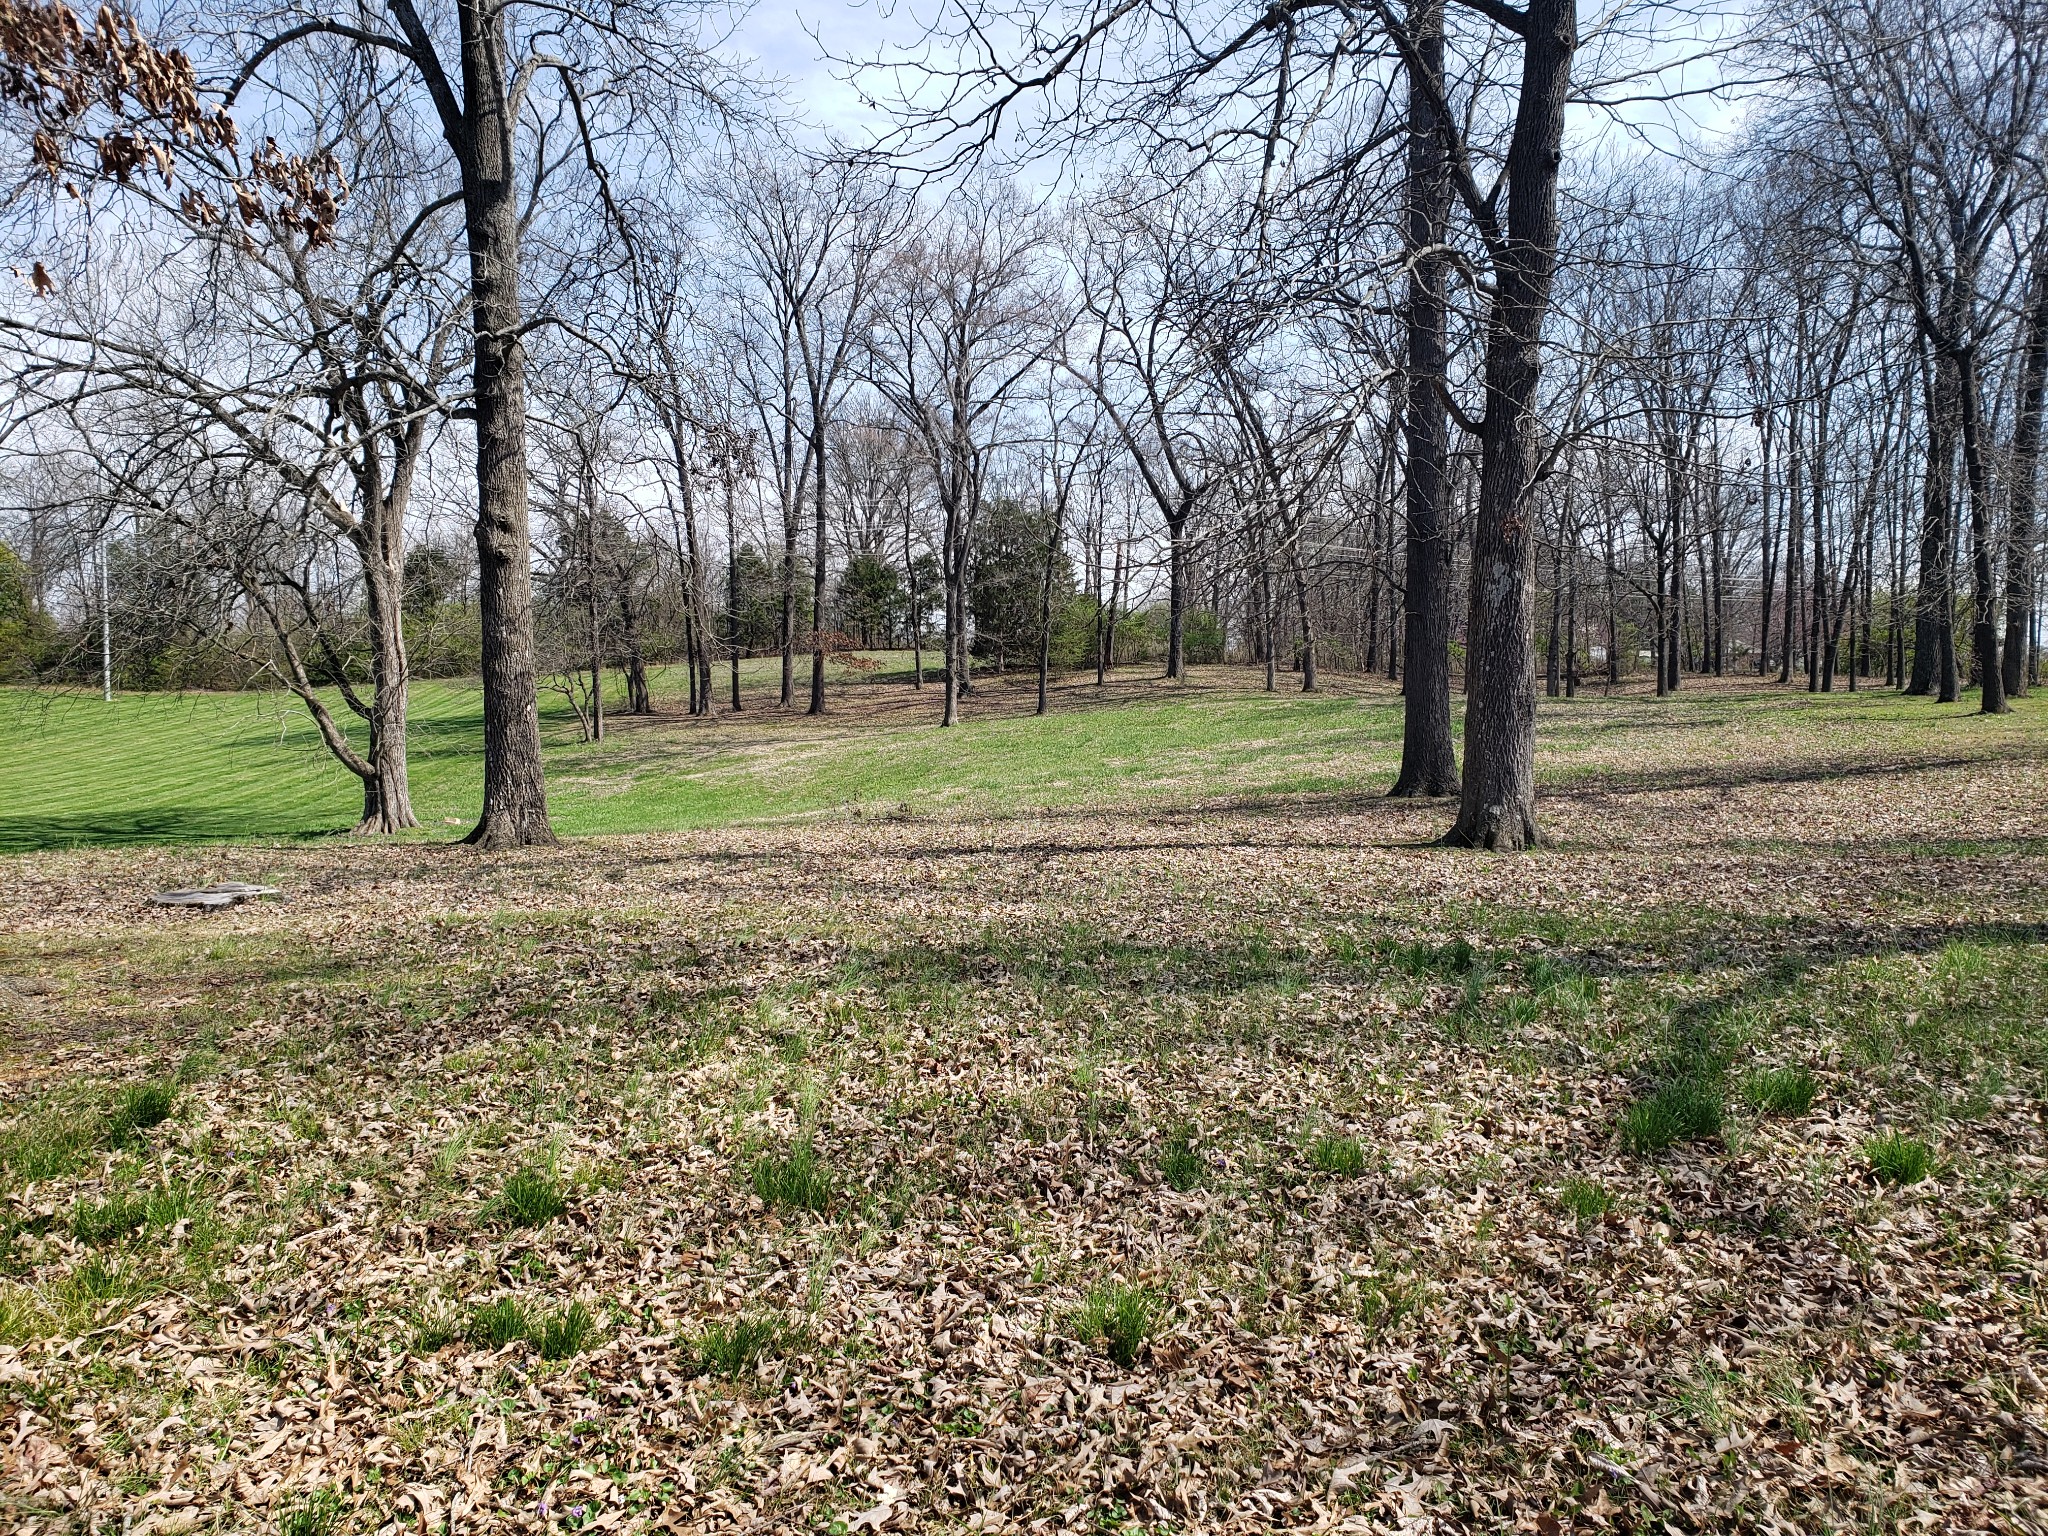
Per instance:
x=1123, y=1122
x=182, y=768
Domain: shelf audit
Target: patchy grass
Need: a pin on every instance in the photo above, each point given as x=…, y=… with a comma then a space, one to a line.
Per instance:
x=1341, y=1156
x=1688, y=1109
x=795, y=1179
x=1585, y=1199
x=531, y=1197
x=860, y=1128
x=730, y=1349
x=1787, y=1091
x=1119, y=1318
x=1897, y=1159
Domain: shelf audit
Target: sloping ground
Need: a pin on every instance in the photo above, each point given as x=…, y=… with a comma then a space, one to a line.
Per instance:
x=1232, y=1168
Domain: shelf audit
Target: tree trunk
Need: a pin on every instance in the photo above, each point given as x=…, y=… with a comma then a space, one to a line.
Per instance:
x=1985, y=634
x=1429, y=759
x=1498, y=806
x=818, y=556
x=387, y=794
x=515, y=812
x=1176, y=596
x=1934, y=653
x=2026, y=459
x=732, y=592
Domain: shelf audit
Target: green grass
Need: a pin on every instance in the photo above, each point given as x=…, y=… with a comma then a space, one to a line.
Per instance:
x=1685, y=1110
x=1586, y=1199
x=1784, y=1091
x=531, y=1198
x=796, y=1178
x=1181, y=1165
x=1119, y=1318
x=318, y=1514
x=1897, y=1159
x=730, y=1349
x=1339, y=1155
x=163, y=768
x=171, y=768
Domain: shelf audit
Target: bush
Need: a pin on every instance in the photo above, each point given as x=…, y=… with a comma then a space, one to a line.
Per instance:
x=730, y=1349
x=1897, y=1159
x=1781, y=1090
x=1120, y=1318
x=532, y=1197
x=1340, y=1155
x=1685, y=1110
x=1181, y=1165
x=794, y=1178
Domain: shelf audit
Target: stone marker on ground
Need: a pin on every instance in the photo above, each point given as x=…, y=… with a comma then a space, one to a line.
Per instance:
x=225, y=894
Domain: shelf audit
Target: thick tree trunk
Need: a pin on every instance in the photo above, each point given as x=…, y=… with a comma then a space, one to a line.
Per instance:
x=515, y=812
x=1985, y=634
x=2026, y=460
x=1497, y=808
x=1934, y=654
x=1429, y=760
x=1176, y=597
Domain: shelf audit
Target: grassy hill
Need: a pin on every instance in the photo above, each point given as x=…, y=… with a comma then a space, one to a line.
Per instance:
x=171, y=768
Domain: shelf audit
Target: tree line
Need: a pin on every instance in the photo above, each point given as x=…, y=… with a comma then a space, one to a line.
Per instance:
x=1316, y=336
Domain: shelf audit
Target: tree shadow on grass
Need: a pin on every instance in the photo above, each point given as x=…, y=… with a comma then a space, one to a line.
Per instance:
x=147, y=824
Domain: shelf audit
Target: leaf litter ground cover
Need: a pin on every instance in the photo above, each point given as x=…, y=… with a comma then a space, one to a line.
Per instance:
x=1228, y=1166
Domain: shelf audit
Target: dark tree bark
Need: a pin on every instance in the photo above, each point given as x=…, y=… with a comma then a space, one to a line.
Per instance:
x=1934, y=646
x=1497, y=808
x=2026, y=461
x=1429, y=761
x=1985, y=634
x=480, y=130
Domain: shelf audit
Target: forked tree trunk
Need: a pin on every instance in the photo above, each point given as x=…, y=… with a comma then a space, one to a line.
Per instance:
x=1429, y=760
x=515, y=810
x=1497, y=808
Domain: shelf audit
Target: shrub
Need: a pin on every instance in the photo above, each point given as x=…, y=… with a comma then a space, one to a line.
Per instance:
x=1181, y=1165
x=1340, y=1155
x=730, y=1349
x=531, y=1198
x=1897, y=1159
x=1781, y=1090
x=565, y=1333
x=101, y=1221
x=794, y=1178
x=318, y=1514
x=1120, y=1318
x=1585, y=1199
x=1685, y=1110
